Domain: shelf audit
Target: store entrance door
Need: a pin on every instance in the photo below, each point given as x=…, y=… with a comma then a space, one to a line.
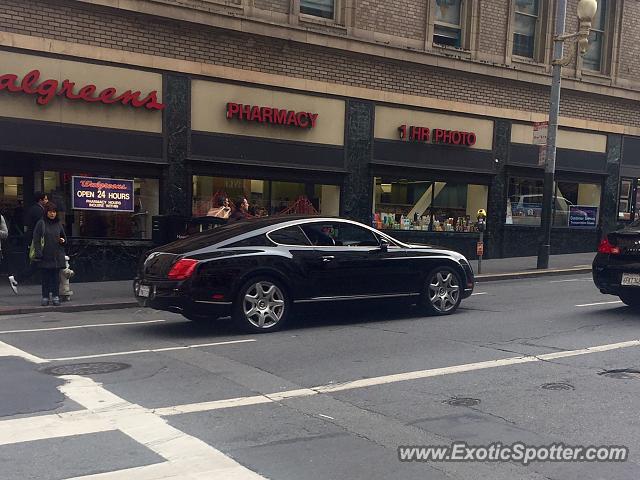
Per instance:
x=12, y=209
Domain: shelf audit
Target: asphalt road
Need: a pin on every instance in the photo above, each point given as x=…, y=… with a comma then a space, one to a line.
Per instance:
x=331, y=397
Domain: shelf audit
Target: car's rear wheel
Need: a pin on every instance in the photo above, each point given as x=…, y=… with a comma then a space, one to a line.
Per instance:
x=262, y=305
x=443, y=291
x=630, y=298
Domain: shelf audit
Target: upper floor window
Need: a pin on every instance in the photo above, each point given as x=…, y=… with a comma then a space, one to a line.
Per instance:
x=448, y=23
x=318, y=8
x=593, y=59
x=527, y=14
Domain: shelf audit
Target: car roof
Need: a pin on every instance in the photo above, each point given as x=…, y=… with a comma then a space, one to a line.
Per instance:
x=240, y=229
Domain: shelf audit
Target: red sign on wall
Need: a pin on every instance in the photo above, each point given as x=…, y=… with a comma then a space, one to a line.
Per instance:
x=47, y=90
x=437, y=135
x=273, y=116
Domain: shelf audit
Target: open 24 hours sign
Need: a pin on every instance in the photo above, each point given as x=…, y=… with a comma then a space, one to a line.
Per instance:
x=106, y=194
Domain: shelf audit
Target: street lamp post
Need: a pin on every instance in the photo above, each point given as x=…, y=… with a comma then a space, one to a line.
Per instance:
x=586, y=11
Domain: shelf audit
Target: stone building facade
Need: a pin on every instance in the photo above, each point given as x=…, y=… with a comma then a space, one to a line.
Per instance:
x=369, y=67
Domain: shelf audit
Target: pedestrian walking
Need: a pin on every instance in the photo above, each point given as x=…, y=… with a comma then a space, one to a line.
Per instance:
x=32, y=217
x=4, y=233
x=49, y=241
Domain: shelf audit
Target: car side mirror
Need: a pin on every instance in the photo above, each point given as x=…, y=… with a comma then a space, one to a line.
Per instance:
x=384, y=245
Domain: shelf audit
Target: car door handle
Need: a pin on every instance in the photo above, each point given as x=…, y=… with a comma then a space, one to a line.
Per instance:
x=327, y=258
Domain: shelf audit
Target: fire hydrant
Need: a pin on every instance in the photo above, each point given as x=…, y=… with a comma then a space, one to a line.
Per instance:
x=65, y=275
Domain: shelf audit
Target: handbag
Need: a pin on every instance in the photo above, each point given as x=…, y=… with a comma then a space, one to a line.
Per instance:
x=32, y=248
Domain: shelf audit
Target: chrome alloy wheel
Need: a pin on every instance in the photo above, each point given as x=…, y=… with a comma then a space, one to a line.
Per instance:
x=263, y=304
x=444, y=291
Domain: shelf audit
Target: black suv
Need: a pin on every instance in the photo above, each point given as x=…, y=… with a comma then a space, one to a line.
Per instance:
x=616, y=268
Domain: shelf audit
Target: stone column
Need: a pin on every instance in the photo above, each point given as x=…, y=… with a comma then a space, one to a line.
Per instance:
x=357, y=191
x=497, y=206
x=175, y=197
x=609, y=202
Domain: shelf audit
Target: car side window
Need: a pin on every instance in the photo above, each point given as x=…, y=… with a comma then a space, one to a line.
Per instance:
x=290, y=236
x=340, y=234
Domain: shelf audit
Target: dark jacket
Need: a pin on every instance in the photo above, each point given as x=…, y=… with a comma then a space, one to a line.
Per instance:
x=31, y=218
x=238, y=214
x=52, y=255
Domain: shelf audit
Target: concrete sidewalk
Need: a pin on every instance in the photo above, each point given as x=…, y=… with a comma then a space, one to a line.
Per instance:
x=112, y=295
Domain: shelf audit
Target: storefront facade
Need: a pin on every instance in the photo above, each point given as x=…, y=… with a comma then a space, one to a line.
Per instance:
x=182, y=142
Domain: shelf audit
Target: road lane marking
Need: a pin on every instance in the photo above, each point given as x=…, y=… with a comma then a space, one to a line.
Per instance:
x=29, y=429
x=7, y=350
x=480, y=293
x=573, y=280
x=148, y=350
x=599, y=303
x=326, y=416
x=73, y=327
x=186, y=454
x=386, y=379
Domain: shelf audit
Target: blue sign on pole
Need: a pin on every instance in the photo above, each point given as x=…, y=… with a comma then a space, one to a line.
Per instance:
x=106, y=194
x=583, y=216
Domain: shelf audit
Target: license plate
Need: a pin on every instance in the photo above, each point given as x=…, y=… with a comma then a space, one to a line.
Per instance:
x=144, y=291
x=631, y=279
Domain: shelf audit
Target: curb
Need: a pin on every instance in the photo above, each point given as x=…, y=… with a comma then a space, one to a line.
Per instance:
x=495, y=277
x=82, y=307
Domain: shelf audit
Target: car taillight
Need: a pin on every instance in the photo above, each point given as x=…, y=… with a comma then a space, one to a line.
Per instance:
x=606, y=247
x=182, y=269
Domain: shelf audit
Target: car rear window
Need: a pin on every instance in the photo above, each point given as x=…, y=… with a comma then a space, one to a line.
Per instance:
x=290, y=236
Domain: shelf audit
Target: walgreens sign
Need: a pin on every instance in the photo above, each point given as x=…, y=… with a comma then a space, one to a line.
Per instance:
x=47, y=90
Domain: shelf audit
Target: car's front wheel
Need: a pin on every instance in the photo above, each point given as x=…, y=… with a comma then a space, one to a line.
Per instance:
x=631, y=299
x=262, y=305
x=443, y=291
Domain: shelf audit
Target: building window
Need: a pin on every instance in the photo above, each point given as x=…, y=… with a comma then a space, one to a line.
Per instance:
x=593, y=59
x=448, y=23
x=625, y=200
x=574, y=205
x=527, y=14
x=265, y=197
x=427, y=205
x=96, y=224
x=318, y=8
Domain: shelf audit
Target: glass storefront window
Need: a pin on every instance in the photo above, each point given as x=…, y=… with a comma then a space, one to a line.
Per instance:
x=575, y=204
x=625, y=202
x=12, y=203
x=427, y=205
x=266, y=197
x=95, y=224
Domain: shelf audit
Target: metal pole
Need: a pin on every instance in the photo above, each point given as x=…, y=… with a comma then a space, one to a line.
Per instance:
x=480, y=256
x=554, y=111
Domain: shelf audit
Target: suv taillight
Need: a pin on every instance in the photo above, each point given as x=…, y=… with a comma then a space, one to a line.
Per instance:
x=182, y=269
x=606, y=247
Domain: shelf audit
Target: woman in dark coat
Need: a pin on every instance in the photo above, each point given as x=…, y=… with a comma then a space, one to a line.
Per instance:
x=49, y=255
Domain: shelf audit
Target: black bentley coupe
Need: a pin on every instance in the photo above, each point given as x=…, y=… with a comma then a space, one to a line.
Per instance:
x=616, y=267
x=257, y=270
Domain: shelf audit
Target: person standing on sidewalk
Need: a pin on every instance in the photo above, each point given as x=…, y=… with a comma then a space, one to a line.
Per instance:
x=49, y=241
x=32, y=217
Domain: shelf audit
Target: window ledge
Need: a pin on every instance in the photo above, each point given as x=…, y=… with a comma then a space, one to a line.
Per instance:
x=325, y=22
x=225, y=3
x=451, y=51
x=528, y=61
x=596, y=76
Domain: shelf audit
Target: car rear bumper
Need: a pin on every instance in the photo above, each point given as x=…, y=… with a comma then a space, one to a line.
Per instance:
x=607, y=275
x=171, y=297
